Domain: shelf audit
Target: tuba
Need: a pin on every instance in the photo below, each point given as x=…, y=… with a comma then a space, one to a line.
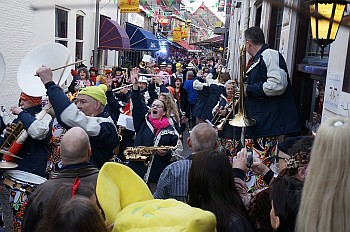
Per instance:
x=241, y=119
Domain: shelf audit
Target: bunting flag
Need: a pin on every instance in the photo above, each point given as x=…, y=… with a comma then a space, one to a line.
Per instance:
x=171, y=2
x=142, y=1
x=158, y=2
x=129, y=6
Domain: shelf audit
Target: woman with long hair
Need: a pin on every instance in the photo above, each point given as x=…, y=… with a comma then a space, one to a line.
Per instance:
x=153, y=128
x=211, y=187
x=325, y=204
x=172, y=109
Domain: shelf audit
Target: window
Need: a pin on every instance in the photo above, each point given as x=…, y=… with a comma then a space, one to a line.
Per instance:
x=61, y=26
x=79, y=36
x=278, y=27
x=313, y=49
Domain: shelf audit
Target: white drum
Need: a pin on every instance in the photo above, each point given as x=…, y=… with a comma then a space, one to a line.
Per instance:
x=23, y=181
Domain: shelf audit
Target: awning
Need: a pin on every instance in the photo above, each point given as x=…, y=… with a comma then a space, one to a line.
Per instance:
x=112, y=36
x=217, y=39
x=140, y=39
x=186, y=45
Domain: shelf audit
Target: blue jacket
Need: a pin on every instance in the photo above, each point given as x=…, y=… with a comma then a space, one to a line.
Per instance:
x=203, y=91
x=192, y=94
x=145, y=137
x=269, y=96
x=101, y=130
x=35, y=150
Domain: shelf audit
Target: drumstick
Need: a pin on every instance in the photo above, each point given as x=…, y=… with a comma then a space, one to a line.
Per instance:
x=80, y=61
x=64, y=66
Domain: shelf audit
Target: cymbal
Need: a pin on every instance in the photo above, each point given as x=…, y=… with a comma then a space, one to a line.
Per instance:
x=9, y=154
x=7, y=165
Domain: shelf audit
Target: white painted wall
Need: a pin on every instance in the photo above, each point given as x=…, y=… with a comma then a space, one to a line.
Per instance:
x=23, y=28
x=338, y=102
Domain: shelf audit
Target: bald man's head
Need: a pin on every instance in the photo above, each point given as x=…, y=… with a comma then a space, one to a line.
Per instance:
x=202, y=138
x=75, y=146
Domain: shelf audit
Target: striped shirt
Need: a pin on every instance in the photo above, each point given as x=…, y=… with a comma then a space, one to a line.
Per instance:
x=173, y=182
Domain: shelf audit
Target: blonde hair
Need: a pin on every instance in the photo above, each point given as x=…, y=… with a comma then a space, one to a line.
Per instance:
x=325, y=204
x=171, y=106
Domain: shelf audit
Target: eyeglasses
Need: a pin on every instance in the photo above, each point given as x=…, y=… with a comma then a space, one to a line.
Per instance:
x=157, y=106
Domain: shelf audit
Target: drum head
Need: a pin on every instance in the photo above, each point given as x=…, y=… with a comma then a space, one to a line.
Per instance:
x=7, y=165
x=53, y=55
x=25, y=177
x=2, y=68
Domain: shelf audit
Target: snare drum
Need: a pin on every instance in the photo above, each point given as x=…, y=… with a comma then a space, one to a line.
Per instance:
x=23, y=181
x=21, y=185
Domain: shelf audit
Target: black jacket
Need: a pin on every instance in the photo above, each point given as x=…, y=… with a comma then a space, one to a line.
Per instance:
x=270, y=105
x=145, y=137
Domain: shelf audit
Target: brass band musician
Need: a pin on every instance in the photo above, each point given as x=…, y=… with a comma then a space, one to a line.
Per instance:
x=153, y=128
x=228, y=136
x=33, y=151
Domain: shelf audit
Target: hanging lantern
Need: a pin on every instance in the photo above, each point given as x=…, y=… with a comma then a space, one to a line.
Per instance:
x=324, y=31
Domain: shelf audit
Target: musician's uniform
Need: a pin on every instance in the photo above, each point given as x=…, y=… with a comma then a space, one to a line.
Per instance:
x=101, y=130
x=269, y=101
x=202, y=88
x=216, y=89
x=35, y=150
x=34, y=153
x=145, y=136
x=229, y=137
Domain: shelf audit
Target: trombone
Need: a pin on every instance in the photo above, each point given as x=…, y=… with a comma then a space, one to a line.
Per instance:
x=241, y=119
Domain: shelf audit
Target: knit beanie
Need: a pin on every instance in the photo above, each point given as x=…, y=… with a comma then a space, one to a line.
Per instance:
x=96, y=92
x=34, y=100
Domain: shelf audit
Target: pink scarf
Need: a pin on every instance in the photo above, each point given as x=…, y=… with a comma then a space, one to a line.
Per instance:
x=158, y=124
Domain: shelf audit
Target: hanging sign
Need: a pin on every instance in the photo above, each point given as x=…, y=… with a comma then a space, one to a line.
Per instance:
x=184, y=32
x=177, y=34
x=129, y=6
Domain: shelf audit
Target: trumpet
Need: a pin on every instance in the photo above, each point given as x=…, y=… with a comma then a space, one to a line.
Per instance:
x=221, y=125
x=142, y=153
x=122, y=87
x=142, y=64
x=217, y=117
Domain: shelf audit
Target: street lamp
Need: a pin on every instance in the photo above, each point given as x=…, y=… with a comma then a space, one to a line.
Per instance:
x=325, y=29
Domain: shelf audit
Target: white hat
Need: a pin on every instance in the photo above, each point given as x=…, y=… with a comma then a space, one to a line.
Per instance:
x=163, y=64
x=143, y=79
x=190, y=66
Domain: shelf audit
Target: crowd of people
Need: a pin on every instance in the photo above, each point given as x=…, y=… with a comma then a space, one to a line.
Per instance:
x=259, y=177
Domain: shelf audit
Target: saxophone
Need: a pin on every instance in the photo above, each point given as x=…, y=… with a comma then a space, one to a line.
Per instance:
x=143, y=153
